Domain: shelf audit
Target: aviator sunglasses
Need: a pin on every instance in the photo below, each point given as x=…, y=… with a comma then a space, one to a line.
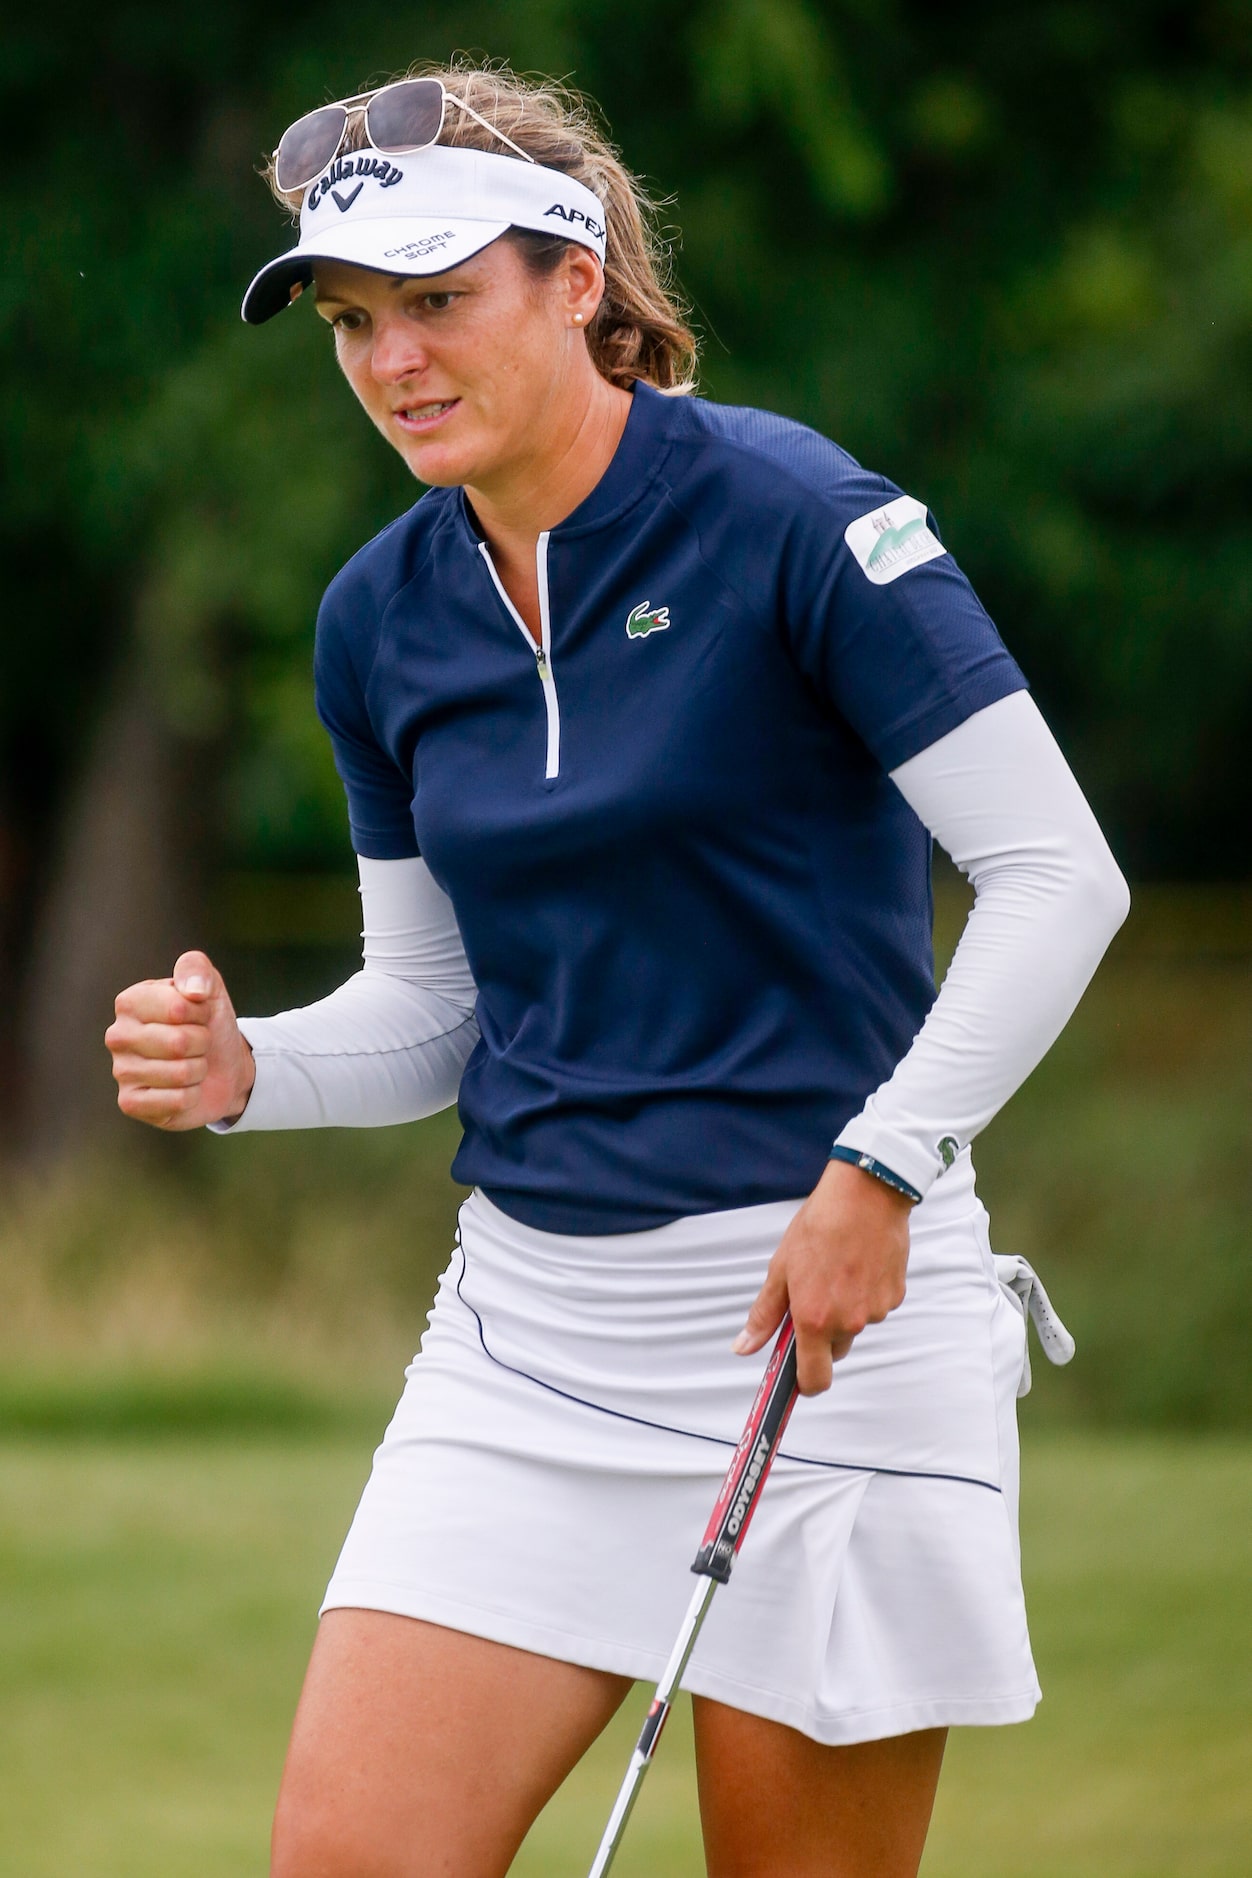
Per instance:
x=398, y=119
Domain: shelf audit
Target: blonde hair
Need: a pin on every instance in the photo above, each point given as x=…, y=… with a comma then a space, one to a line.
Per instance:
x=640, y=328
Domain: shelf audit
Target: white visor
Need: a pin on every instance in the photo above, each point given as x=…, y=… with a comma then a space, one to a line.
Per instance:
x=422, y=214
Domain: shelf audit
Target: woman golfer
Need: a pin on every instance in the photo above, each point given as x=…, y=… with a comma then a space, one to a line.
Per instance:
x=647, y=713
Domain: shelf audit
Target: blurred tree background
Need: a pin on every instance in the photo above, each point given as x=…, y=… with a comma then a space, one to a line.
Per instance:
x=1002, y=254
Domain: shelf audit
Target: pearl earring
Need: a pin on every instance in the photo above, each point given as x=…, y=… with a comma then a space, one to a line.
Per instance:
x=578, y=319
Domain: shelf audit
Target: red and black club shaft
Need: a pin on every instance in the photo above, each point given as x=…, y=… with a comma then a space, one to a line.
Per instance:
x=723, y=1536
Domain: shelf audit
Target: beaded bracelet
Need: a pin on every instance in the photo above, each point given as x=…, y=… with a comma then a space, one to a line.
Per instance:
x=869, y=1165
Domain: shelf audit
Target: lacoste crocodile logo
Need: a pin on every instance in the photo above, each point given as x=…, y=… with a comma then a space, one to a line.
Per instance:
x=644, y=619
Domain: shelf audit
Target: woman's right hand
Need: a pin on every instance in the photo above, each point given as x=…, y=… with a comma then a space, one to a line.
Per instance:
x=180, y=1059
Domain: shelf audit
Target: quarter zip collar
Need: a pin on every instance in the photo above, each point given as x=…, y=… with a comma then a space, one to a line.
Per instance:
x=640, y=452
x=542, y=652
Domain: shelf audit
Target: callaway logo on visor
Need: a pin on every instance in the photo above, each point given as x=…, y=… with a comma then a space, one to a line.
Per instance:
x=343, y=167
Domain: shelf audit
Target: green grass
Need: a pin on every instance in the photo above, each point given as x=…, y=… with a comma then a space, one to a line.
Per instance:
x=156, y=1607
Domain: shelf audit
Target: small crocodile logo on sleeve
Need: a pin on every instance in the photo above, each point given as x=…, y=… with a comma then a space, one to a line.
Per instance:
x=644, y=619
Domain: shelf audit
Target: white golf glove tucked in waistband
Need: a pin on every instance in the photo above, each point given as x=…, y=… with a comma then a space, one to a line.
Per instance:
x=1019, y=1278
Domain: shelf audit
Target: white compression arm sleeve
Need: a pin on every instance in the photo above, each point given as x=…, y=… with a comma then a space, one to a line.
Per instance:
x=390, y=1044
x=999, y=796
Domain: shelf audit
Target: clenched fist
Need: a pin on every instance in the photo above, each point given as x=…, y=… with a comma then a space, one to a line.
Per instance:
x=180, y=1059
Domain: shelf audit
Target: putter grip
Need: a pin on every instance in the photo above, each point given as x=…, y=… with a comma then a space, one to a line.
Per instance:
x=754, y=1456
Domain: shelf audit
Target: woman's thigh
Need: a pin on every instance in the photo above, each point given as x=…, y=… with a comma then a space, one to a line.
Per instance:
x=772, y=1801
x=418, y=1750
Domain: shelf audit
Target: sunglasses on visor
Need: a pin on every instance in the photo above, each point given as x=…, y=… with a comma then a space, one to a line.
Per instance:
x=398, y=119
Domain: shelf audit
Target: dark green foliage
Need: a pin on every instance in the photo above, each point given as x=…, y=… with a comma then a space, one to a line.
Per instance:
x=1004, y=255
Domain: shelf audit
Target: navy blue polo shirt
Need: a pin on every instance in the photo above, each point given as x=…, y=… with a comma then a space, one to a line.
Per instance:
x=697, y=909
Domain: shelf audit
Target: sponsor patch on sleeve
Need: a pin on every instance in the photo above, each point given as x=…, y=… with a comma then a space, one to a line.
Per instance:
x=891, y=540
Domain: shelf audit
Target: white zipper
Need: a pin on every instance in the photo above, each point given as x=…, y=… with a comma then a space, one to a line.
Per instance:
x=542, y=652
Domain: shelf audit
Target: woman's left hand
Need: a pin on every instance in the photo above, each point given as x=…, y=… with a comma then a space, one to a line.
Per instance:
x=840, y=1266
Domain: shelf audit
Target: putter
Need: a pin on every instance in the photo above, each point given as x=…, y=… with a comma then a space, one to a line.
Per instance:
x=723, y=1536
